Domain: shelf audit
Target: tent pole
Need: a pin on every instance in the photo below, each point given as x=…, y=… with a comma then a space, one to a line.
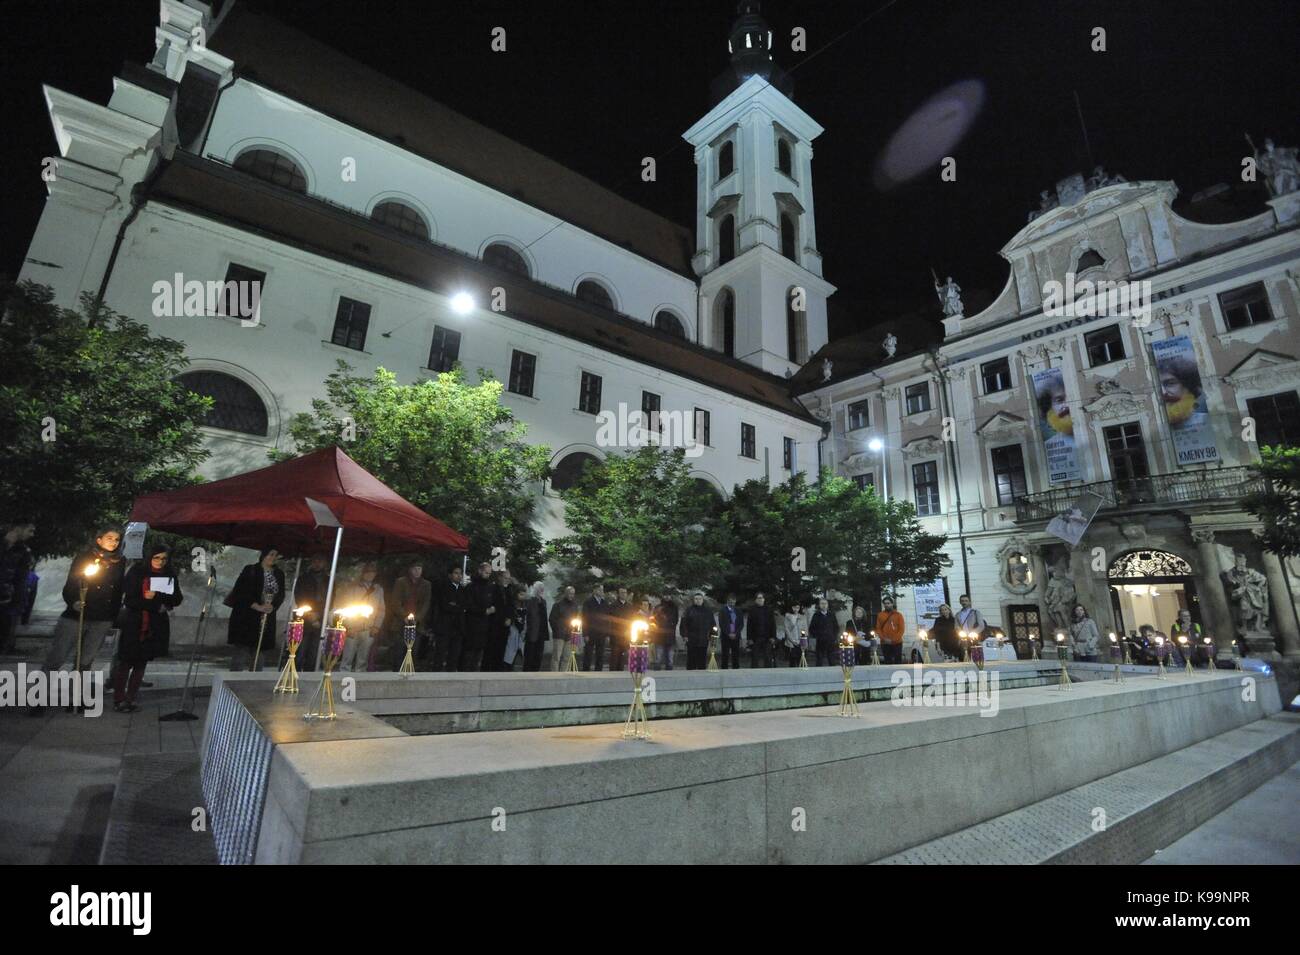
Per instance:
x=329, y=596
x=191, y=671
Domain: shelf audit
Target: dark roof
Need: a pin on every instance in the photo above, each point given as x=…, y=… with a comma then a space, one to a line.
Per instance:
x=217, y=191
x=852, y=355
x=290, y=62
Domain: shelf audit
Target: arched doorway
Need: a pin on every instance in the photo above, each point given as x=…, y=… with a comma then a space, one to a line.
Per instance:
x=1150, y=587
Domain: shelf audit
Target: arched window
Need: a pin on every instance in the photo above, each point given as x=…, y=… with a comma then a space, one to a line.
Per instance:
x=273, y=167
x=726, y=159
x=1090, y=259
x=235, y=406
x=784, y=159
x=400, y=216
x=789, y=237
x=796, y=325
x=589, y=290
x=501, y=256
x=666, y=321
x=569, y=469
x=726, y=238
x=724, y=323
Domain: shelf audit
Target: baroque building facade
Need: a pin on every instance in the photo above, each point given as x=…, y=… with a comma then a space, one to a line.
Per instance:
x=1135, y=399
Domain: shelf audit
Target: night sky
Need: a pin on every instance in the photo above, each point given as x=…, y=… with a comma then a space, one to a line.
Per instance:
x=599, y=85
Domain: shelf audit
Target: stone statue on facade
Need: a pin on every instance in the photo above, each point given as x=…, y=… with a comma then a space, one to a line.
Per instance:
x=826, y=369
x=950, y=298
x=890, y=345
x=1060, y=594
x=1247, y=591
x=1279, y=166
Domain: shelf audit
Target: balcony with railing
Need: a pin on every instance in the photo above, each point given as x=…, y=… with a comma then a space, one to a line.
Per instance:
x=1146, y=493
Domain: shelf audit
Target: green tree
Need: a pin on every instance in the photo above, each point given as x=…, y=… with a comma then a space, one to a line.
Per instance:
x=641, y=521
x=797, y=539
x=1278, y=505
x=449, y=447
x=90, y=416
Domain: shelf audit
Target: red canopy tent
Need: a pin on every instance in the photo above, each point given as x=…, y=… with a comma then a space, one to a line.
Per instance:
x=269, y=507
x=300, y=507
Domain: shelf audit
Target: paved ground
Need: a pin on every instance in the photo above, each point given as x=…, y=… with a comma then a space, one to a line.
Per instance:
x=1260, y=829
x=58, y=773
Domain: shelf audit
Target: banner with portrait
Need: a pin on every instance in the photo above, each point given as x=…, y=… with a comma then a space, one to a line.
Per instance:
x=1183, y=395
x=1056, y=426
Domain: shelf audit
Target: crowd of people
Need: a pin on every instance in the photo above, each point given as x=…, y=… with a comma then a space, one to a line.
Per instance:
x=489, y=622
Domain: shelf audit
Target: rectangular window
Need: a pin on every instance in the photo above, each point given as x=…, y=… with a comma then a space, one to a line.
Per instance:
x=703, y=428
x=1127, y=451
x=445, y=350
x=859, y=415
x=589, y=393
x=996, y=375
x=651, y=404
x=787, y=453
x=747, y=441
x=1104, y=346
x=865, y=481
x=523, y=368
x=1008, y=473
x=918, y=398
x=241, y=293
x=351, y=322
x=1244, y=307
x=925, y=488
x=1277, y=418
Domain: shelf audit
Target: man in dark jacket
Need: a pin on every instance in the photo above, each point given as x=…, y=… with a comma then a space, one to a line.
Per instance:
x=825, y=632
x=760, y=632
x=15, y=564
x=731, y=624
x=562, y=614
x=538, y=630
x=449, y=605
x=595, y=629
x=484, y=609
x=621, y=615
x=666, y=618
x=103, y=601
x=697, y=629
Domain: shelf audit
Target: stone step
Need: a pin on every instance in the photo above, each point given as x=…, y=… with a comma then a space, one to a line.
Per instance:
x=1146, y=807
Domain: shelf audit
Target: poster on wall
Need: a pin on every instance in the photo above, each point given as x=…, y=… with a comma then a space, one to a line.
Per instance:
x=1183, y=396
x=928, y=598
x=1056, y=426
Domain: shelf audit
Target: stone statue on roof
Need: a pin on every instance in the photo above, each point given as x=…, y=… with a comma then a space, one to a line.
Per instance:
x=826, y=369
x=1280, y=167
x=1100, y=178
x=950, y=298
x=890, y=345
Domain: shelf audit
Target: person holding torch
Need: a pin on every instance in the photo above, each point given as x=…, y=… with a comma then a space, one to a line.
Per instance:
x=93, y=596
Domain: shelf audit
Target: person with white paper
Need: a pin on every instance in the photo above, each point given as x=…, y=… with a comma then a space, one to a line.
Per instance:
x=149, y=590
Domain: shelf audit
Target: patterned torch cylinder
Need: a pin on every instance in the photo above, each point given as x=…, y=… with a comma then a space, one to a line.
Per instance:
x=408, y=637
x=322, y=703
x=713, y=649
x=1061, y=652
x=637, y=725
x=1161, y=649
x=848, y=656
x=288, y=682
x=575, y=643
x=803, y=649
x=1117, y=655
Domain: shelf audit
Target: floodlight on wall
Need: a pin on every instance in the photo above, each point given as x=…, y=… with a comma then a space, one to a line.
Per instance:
x=462, y=303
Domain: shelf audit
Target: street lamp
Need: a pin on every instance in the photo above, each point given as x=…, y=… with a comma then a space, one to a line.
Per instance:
x=462, y=303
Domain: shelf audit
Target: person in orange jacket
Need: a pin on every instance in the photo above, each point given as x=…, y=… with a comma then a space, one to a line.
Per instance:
x=889, y=628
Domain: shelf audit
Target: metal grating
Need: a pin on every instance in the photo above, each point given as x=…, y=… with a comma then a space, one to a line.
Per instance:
x=236, y=761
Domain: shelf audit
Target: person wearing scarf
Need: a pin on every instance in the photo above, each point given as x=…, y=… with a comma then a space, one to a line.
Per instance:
x=144, y=624
x=258, y=590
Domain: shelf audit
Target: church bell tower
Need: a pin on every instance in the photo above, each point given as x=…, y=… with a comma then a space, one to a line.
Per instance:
x=763, y=295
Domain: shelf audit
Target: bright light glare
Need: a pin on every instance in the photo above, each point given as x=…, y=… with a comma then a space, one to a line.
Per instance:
x=462, y=303
x=875, y=444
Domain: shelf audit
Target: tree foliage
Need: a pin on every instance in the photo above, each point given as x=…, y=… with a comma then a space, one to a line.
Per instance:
x=449, y=447
x=90, y=416
x=796, y=539
x=1278, y=506
x=641, y=521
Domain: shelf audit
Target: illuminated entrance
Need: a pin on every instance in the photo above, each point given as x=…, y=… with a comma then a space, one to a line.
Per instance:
x=1150, y=587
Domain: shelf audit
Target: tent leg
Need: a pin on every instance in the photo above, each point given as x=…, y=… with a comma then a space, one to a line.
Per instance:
x=191, y=671
x=329, y=596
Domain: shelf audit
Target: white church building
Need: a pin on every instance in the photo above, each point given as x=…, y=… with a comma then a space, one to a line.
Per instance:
x=381, y=228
